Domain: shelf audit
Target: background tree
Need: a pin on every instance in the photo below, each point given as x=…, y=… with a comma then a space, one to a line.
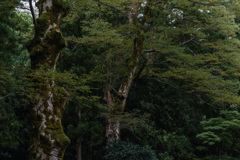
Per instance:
x=15, y=29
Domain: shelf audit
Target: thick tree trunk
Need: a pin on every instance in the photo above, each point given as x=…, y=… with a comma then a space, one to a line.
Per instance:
x=48, y=140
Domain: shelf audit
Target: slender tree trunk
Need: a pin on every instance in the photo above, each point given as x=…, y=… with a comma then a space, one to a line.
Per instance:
x=79, y=144
x=118, y=106
x=79, y=151
x=48, y=140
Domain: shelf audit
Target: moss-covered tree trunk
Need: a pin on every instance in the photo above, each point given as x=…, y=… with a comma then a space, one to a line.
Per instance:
x=118, y=106
x=48, y=140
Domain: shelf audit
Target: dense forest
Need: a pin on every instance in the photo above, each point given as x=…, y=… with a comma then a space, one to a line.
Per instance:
x=120, y=80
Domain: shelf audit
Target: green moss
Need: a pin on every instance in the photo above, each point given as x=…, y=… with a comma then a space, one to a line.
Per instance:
x=48, y=9
x=58, y=3
x=42, y=25
x=62, y=139
x=61, y=6
x=133, y=62
x=55, y=37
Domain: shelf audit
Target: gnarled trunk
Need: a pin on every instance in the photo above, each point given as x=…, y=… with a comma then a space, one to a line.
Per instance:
x=48, y=140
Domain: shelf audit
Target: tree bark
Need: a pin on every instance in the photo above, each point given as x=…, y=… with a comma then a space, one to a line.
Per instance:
x=48, y=140
x=112, y=123
x=79, y=151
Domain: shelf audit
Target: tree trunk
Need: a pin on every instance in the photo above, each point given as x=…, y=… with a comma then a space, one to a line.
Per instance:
x=112, y=123
x=48, y=140
x=79, y=144
x=79, y=151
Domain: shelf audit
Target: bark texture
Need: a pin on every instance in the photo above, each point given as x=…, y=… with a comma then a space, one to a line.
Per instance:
x=117, y=105
x=112, y=123
x=48, y=140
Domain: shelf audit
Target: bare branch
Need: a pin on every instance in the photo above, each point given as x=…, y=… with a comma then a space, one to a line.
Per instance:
x=188, y=41
x=1, y=98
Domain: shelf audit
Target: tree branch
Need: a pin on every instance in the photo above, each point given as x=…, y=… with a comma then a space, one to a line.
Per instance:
x=210, y=4
x=1, y=98
x=179, y=89
x=140, y=70
x=10, y=94
x=205, y=4
x=33, y=15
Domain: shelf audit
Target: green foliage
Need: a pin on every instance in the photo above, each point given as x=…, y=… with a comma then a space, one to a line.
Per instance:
x=170, y=126
x=84, y=126
x=128, y=151
x=15, y=32
x=185, y=90
x=66, y=84
x=201, y=56
x=14, y=128
x=15, y=131
x=84, y=121
x=222, y=134
x=99, y=33
x=6, y=6
x=176, y=147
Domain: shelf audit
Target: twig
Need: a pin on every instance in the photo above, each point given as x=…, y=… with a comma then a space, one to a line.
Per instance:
x=188, y=41
x=1, y=98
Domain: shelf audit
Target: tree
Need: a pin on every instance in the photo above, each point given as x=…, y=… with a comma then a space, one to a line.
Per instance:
x=48, y=139
x=220, y=135
x=117, y=105
x=116, y=54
